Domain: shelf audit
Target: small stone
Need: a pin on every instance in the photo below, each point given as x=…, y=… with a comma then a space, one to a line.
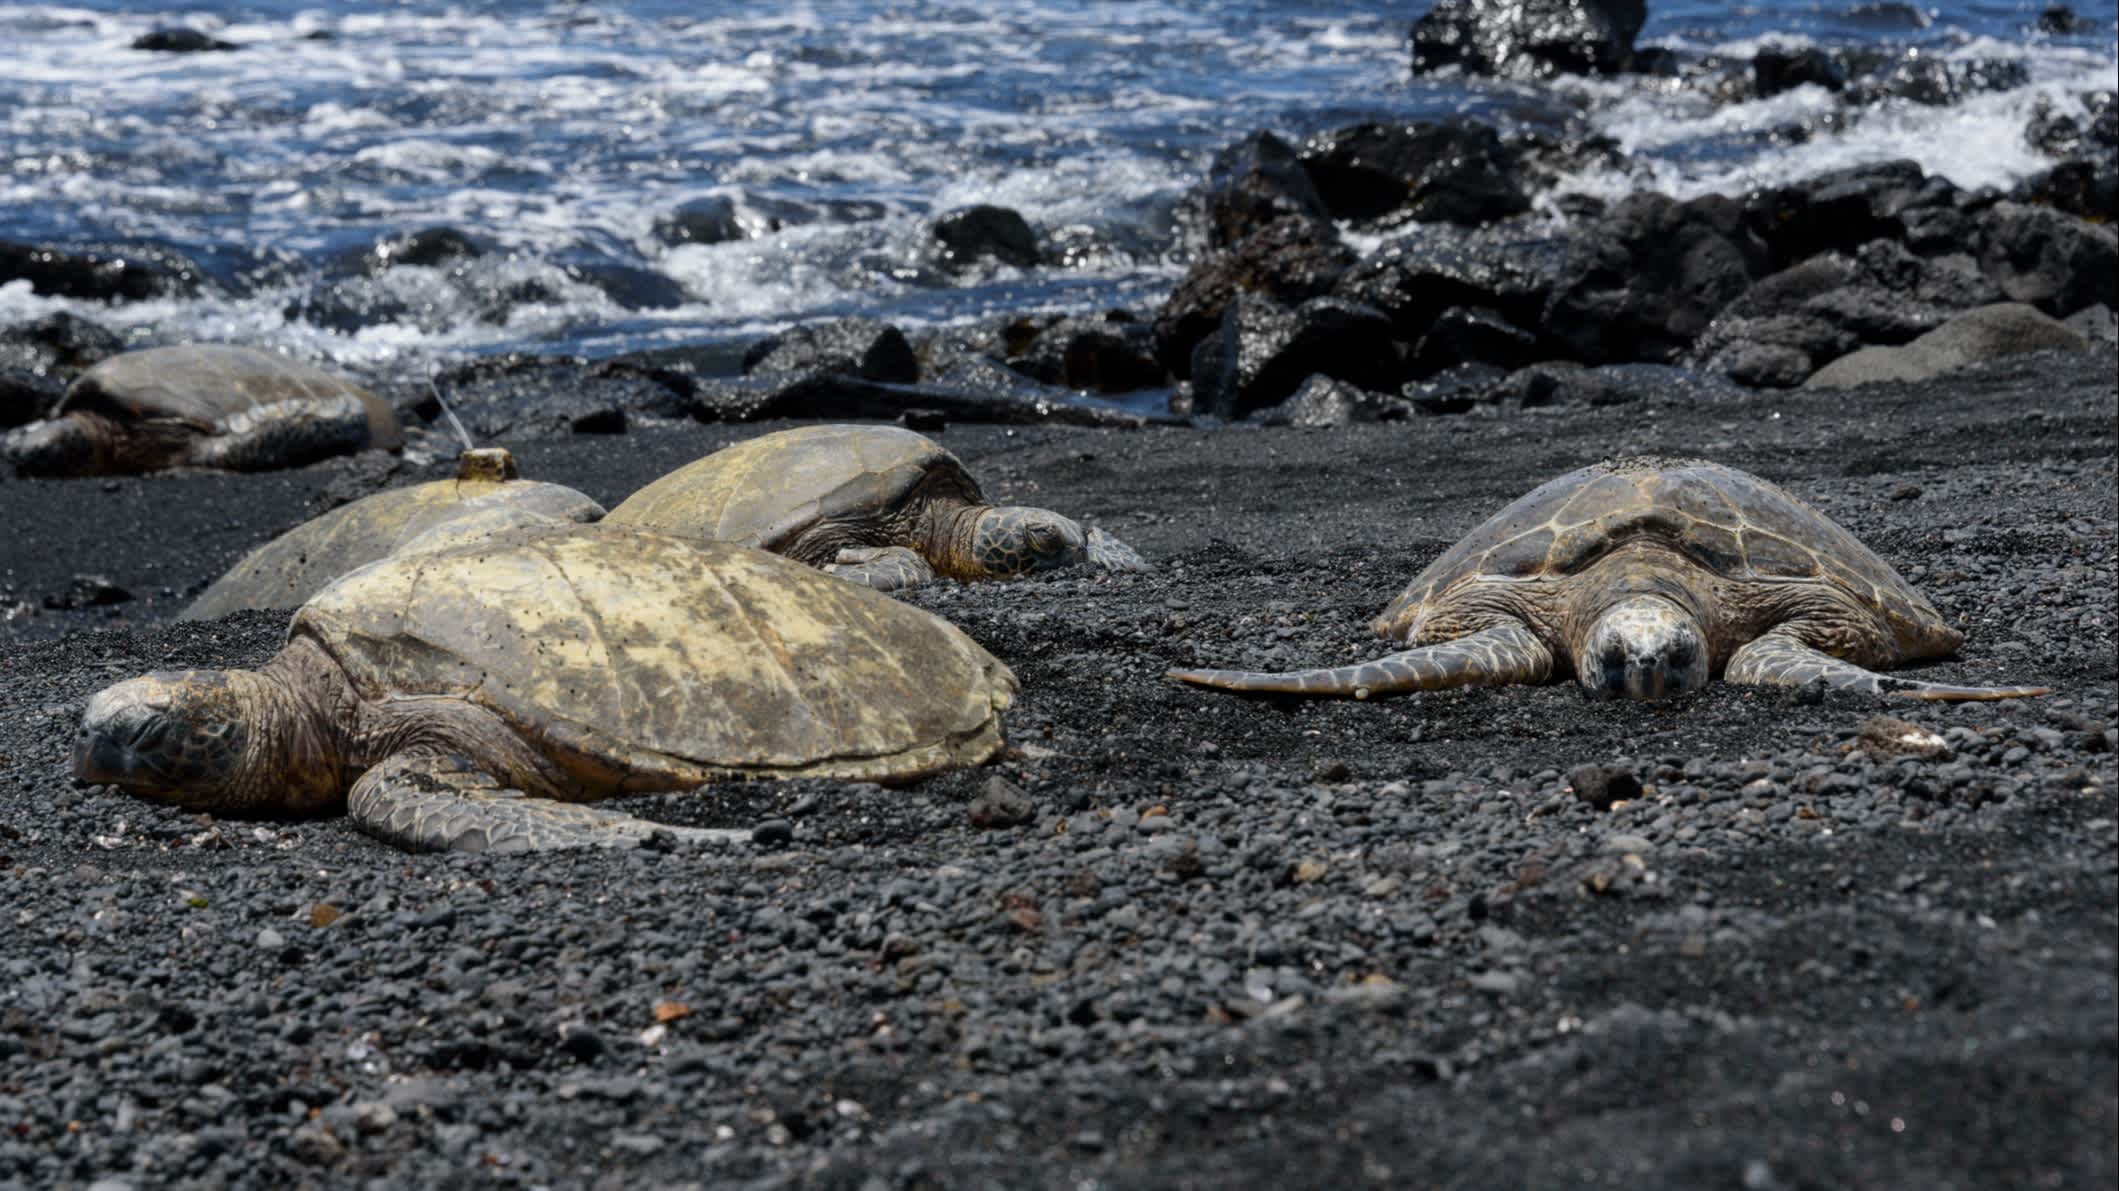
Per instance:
x=774, y=832
x=1309, y=871
x=1001, y=804
x=271, y=940
x=373, y=1116
x=1889, y=736
x=1628, y=843
x=1603, y=786
x=1499, y=983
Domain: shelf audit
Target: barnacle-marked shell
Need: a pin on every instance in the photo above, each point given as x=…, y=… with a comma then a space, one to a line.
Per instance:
x=621, y=653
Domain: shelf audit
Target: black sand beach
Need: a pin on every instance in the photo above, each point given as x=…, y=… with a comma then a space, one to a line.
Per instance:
x=1236, y=942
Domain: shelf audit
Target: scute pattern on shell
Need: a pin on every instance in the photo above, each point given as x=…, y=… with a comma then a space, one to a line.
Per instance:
x=652, y=653
x=767, y=490
x=209, y=386
x=1737, y=526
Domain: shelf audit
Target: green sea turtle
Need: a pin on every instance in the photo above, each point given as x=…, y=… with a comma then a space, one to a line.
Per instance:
x=472, y=695
x=290, y=568
x=877, y=505
x=1652, y=576
x=201, y=405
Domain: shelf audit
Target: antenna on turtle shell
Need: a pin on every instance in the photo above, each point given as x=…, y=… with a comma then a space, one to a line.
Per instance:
x=461, y=433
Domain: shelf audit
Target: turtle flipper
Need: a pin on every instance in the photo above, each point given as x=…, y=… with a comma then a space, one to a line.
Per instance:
x=432, y=801
x=1497, y=656
x=285, y=434
x=1780, y=660
x=884, y=568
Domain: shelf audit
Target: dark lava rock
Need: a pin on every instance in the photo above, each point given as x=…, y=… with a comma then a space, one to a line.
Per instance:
x=1988, y=333
x=1841, y=210
x=1290, y=260
x=709, y=220
x=88, y=591
x=1109, y=353
x=1792, y=323
x=1418, y=276
x=2061, y=21
x=2055, y=261
x=1254, y=183
x=432, y=248
x=1456, y=171
x=964, y=389
x=1001, y=804
x=1528, y=39
x=180, y=40
x=1603, y=785
x=1263, y=350
x=27, y=395
x=128, y=273
x=861, y=347
x=518, y=398
x=1325, y=403
x=1927, y=79
x=986, y=232
x=1474, y=334
x=1562, y=382
x=38, y=358
x=1648, y=277
x=1774, y=70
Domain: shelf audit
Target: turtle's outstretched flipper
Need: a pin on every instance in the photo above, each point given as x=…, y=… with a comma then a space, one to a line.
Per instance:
x=1779, y=660
x=1499, y=656
x=884, y=568
x=431, y=801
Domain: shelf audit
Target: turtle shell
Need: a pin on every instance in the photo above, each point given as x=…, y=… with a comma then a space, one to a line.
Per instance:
x=625, y=654
x=1732, y=524
x=290, y=568
x=203, y=385
x=767, y=491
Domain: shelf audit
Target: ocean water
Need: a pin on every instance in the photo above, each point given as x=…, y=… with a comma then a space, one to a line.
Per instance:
x=556, y=135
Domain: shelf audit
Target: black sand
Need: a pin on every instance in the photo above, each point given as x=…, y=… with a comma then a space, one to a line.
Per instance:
x=1379, y=943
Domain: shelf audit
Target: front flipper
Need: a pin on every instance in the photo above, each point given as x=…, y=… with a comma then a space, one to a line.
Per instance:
x=884, y=568
x=428, y=801
x=1777, y=660
x=1498, y=656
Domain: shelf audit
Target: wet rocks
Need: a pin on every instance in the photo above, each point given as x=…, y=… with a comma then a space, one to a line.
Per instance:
x=1774, y=70
x=1645, y=280
x=1290, y=260
x=1417, y=276
x=1455, y=171
x=1262, y=350
x=1324, y=403
x=1528, y=39
x=859, y=346
x=39, y=357
x=1254, y=183
x=181, y=40
x=128, y=273
x=986, y=232
x=708, y=220
x=1113, y=352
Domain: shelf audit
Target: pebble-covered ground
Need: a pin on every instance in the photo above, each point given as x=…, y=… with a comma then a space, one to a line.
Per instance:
x=1173, y=938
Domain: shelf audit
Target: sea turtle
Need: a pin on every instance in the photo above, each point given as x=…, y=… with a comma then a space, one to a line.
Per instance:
x=201, y=405
x=877, y=505
x=1652, y=575
x=470, y=696
x=296, y=565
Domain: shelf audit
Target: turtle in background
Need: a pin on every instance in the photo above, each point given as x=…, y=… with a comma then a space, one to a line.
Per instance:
x=201, y=405
x=297, y=564
x=1650, y=577
x=878, y=505
x=473, y=695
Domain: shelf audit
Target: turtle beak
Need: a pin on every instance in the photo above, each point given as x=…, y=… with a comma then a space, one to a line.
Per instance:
x=1108, y=552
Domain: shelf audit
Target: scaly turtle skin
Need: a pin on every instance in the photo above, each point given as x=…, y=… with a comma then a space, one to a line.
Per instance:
x=201, y=405
x=878, y=505
x=1652, y=576
x=296, y=565
x=473, y=695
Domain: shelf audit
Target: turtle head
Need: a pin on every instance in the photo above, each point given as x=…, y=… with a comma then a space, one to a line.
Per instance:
x=210, y=740
x=1643, y=647
x=1017, y=540
x=61, y=446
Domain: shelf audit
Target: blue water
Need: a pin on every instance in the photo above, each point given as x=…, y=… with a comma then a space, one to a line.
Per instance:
x=557, y=134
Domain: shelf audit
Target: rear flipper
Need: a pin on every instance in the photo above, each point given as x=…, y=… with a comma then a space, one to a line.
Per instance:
x=1498, y=656
x=884, y=568
x=428, y=801
x=1775, y=660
